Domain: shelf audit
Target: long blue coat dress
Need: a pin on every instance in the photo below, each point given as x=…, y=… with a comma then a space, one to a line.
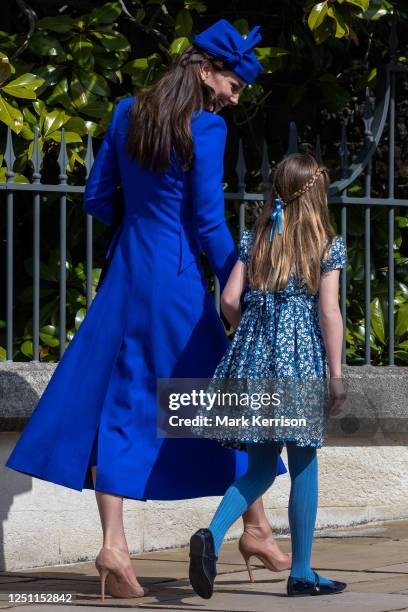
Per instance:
x=151, y=318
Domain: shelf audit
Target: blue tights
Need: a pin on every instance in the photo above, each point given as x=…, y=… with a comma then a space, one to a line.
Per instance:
x=262, y=469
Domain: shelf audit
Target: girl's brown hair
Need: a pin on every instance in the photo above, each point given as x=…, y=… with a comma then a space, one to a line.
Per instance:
x=302, y=186
x=161, y=114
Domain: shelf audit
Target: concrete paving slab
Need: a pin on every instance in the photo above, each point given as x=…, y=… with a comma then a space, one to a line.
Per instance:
x=148, y=571
x=374, y=563
x=393, y=567
x=88, y=594
x=4, y=579
x=356, y=581
x=391, y=584
x=230, y=587
x=358, y=553
x=265, y=601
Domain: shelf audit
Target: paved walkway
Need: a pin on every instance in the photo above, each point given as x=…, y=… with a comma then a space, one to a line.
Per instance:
x=373, y=560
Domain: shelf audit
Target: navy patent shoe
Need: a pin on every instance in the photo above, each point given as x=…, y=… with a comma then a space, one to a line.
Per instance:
x=296, y=587
x=203, y=567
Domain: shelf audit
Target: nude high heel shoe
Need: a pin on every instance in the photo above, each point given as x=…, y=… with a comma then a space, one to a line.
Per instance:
x=250, y=546
x=114, y=571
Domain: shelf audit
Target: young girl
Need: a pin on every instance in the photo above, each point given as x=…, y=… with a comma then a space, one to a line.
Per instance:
x=292, y=260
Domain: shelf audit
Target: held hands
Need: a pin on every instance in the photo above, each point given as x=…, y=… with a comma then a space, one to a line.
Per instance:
x=337, y=394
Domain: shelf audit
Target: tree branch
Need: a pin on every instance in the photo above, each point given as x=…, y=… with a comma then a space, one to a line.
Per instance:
x=32, y=21
x=157, y=34
x=256, y=107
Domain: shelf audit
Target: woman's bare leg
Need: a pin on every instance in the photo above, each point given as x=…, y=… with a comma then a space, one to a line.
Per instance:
x=111, y=513
x=255, y=515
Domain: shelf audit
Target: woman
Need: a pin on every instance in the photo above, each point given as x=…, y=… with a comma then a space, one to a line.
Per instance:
x=95, y=425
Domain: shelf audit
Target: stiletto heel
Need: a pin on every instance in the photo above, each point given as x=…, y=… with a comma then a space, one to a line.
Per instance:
x=116, y=575
x=104, y=572
x=249, y=568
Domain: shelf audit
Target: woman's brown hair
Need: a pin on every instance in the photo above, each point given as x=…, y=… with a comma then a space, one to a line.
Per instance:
x=302, y=185
x=161, y=115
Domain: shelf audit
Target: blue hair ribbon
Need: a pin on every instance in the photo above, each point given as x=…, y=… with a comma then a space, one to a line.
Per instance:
x=276, y=218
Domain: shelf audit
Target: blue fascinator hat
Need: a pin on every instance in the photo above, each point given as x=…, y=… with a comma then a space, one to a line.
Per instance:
x=224, y=42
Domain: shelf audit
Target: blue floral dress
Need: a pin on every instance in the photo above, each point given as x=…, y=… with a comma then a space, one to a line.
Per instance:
x=279, y=337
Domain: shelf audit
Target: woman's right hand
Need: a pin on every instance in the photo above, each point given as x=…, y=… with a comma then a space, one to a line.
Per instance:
x=337, y=394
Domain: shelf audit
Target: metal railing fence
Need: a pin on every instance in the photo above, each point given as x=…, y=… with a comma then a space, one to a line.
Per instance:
x=375, y=120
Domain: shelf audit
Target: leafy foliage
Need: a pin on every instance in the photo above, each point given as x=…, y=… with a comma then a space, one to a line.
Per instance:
x=75, y=64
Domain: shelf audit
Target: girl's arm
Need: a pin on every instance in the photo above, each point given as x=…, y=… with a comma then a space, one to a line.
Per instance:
x=231, y=296
x=331, y=321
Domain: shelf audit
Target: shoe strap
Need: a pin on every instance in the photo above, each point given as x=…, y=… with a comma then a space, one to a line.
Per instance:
x=317, y=582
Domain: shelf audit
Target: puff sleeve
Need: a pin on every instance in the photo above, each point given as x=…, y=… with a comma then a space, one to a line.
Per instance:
x=335, y=257
x=103, y=178
x=244, y=246
x=209, y=136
